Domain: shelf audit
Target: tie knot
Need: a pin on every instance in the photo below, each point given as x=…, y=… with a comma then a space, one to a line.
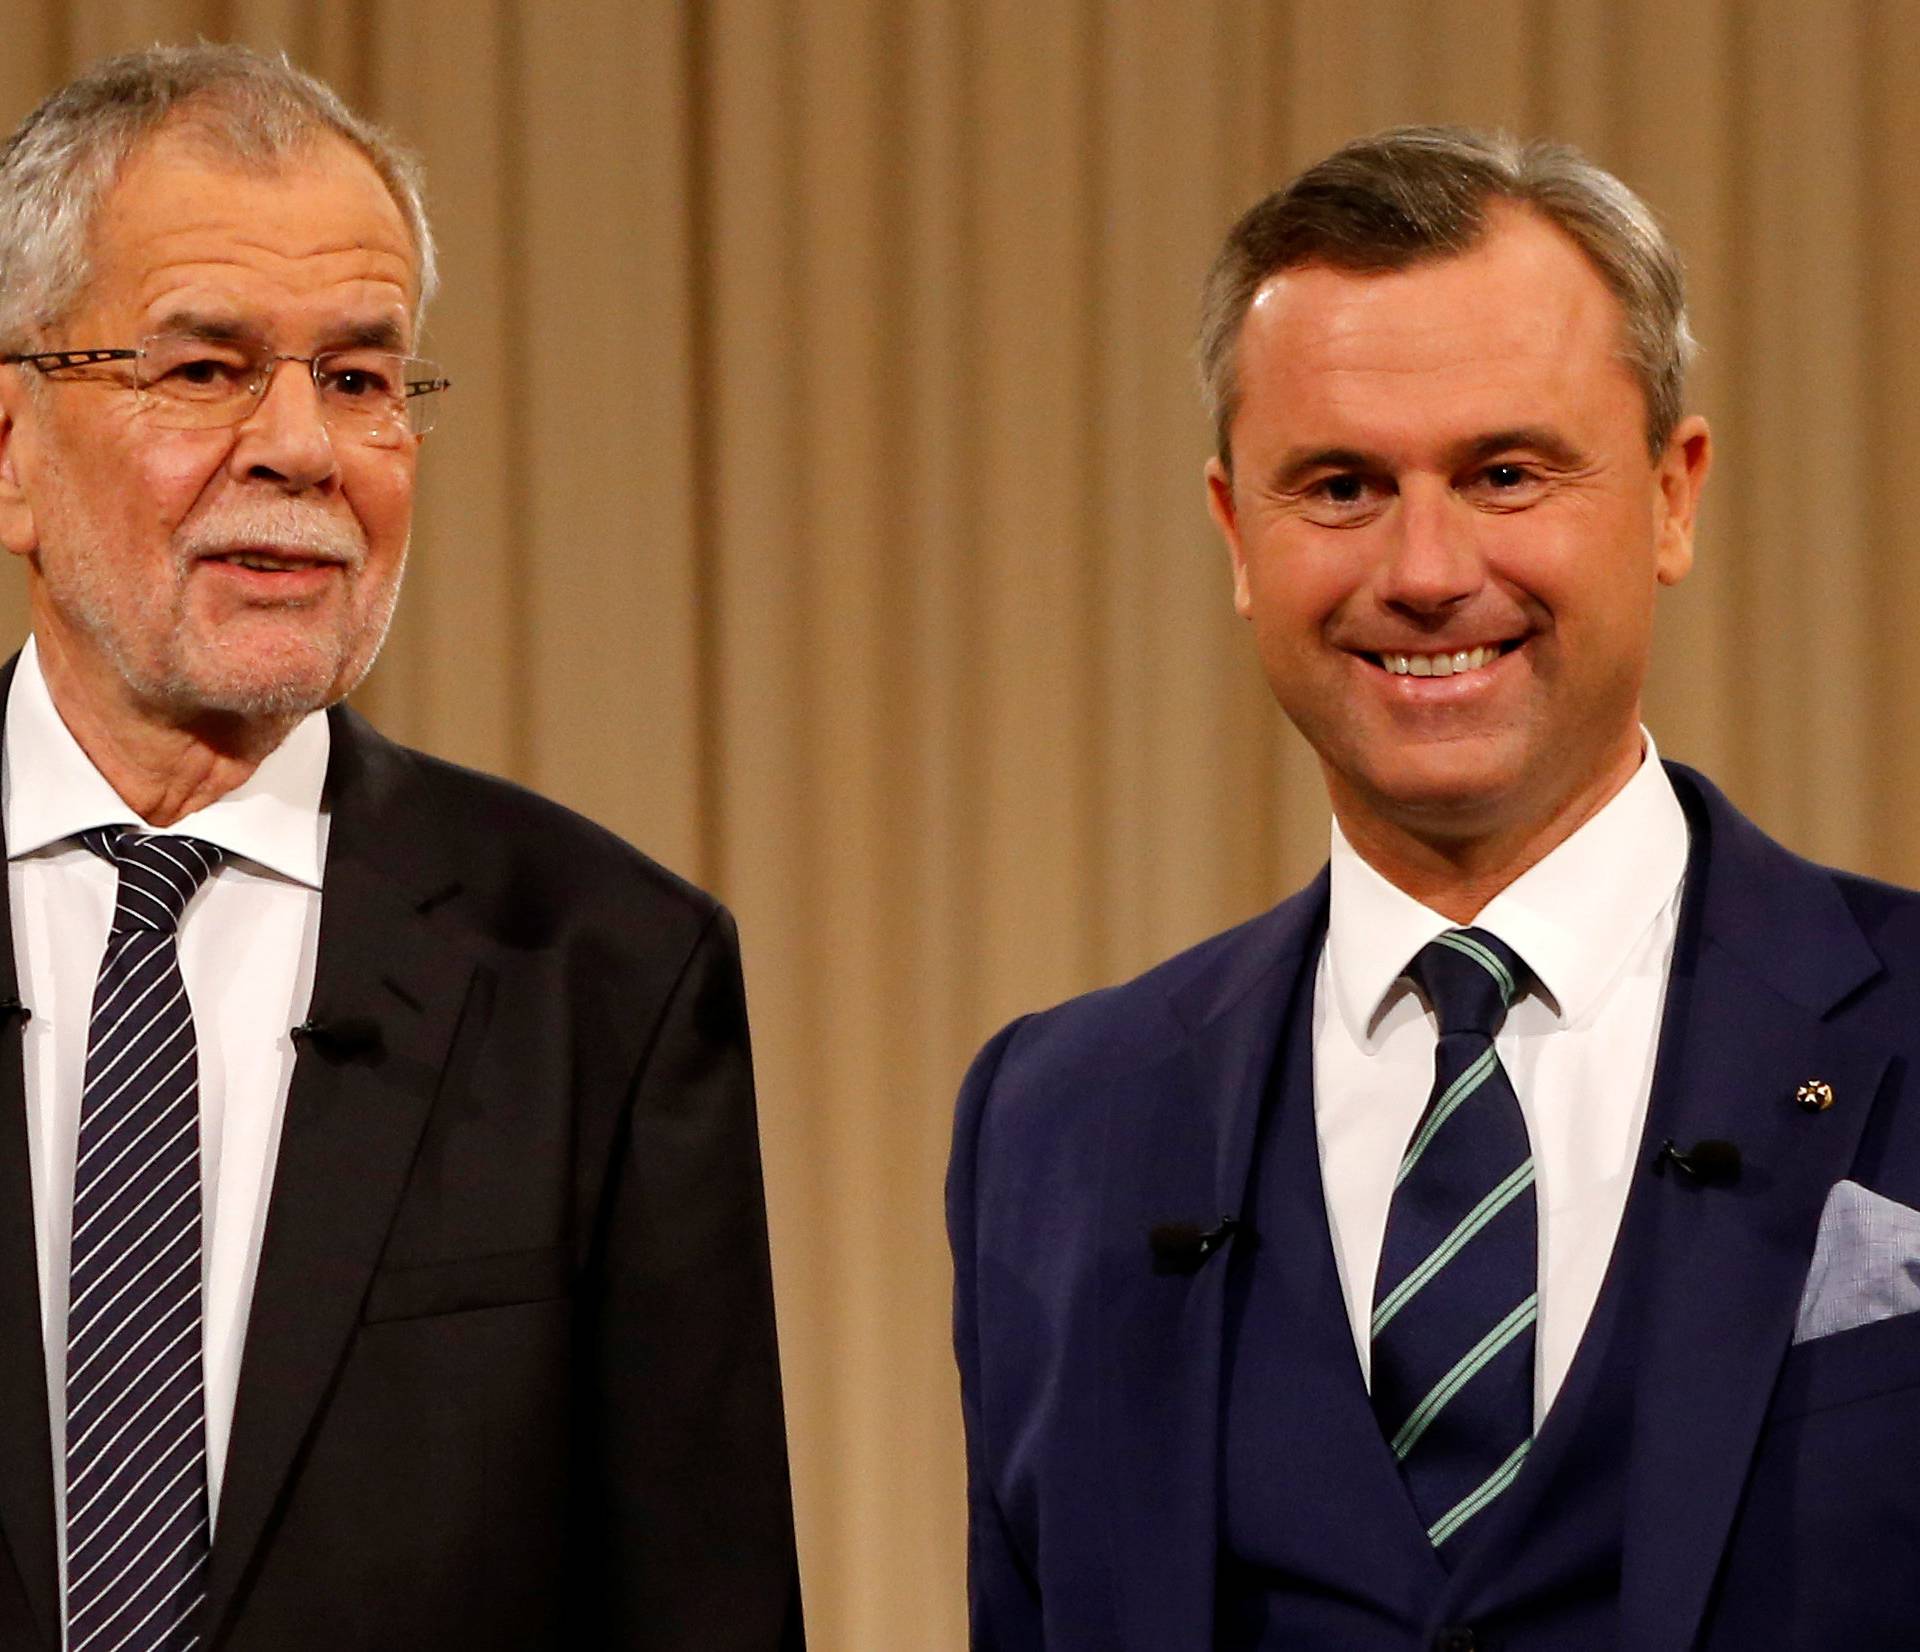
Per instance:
x=158, y=874
x=1469, y=977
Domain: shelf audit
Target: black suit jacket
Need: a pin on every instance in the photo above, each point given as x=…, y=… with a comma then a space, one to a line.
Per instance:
x=509, y=1377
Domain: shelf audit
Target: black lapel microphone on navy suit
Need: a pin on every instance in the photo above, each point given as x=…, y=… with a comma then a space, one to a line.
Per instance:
x=1705, y=1164
x=1181, y=1247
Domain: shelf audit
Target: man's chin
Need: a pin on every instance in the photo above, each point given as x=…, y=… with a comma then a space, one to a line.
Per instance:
x=275, y=672
x=278, y=690
x=1450, y=801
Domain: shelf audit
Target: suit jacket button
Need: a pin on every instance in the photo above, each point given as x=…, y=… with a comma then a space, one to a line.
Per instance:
x=1456, y=1639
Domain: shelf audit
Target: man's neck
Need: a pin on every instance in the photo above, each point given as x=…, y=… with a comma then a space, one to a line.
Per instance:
x=1456, y=875
x=163, y=770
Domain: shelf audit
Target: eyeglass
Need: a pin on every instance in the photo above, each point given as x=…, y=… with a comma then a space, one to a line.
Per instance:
x=189, y=383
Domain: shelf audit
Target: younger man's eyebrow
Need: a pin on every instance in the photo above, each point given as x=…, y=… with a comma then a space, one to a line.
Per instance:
x=1302, y=462
x=1549, y=444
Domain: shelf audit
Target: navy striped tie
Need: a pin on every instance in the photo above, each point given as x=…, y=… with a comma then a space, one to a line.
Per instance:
x=137, y=1528
x=1455, y=1300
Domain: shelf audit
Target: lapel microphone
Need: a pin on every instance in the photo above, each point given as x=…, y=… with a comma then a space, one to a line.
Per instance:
x=1706, y=1163
x=1180, y=1247
x=11, y=1009
x=336, y=1040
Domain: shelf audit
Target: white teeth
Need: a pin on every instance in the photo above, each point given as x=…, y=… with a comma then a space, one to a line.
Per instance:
x=1439, y=665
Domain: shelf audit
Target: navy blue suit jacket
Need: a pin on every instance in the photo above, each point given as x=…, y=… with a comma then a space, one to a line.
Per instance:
x=1773, y=1491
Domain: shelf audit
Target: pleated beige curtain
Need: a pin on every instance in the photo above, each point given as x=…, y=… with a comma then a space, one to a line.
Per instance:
x=821, y=509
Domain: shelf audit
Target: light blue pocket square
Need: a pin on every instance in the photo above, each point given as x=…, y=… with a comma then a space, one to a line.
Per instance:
x=1866, y=1263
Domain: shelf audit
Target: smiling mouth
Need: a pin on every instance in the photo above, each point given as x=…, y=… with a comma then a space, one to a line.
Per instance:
x=1449, y=664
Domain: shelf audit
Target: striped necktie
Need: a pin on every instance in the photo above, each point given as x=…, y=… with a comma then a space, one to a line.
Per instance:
x=1456, y=1299
x=137, y=1526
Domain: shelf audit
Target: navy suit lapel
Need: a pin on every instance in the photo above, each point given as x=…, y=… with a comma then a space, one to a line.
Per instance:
x=355, y=1112
x=1179, y=1147
x=1767, y=950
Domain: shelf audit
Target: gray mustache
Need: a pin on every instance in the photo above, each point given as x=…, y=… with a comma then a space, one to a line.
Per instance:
x=284, y=527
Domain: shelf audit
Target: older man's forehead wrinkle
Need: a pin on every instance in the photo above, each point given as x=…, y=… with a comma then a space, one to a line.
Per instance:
x=174, y=224
x=164, y=265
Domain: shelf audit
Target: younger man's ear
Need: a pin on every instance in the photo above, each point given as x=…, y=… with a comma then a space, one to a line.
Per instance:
x=1222, y=507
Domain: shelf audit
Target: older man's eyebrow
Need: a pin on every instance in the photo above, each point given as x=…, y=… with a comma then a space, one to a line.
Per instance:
x=202, y=324
x=381, y=333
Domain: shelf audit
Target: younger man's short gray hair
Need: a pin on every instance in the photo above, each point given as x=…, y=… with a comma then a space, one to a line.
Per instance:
x=1412, y=194
x=64, y=159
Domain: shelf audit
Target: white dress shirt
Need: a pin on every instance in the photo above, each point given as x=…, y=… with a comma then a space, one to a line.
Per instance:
x=247, y=943
x=1594, y=922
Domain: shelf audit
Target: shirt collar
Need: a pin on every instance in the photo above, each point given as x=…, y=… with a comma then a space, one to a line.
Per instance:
x=273, y=818
x=1573, y=917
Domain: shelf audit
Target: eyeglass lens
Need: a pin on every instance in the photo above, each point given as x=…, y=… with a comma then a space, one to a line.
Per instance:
x=375, y=396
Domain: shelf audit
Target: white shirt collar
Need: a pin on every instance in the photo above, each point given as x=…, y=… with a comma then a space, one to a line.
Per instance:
x=1573, y=917
x=272, y=818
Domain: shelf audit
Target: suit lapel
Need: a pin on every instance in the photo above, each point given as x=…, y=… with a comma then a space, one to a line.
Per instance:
x=1767, y=950
x=26, y=1446
x=1179, y=1147
x=355, y=1112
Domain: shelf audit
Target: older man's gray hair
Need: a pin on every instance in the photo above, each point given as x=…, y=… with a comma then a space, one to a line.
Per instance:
x=64, y=159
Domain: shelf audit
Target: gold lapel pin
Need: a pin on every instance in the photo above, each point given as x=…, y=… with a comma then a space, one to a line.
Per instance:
x=1815, y=1096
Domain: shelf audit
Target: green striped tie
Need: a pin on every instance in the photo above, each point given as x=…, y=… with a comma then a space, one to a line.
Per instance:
x=1455, y=1300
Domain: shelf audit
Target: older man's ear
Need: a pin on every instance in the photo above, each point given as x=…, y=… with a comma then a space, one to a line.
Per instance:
x=17, y=531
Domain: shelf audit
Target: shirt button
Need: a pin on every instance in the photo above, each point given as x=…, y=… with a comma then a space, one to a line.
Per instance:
x=1456, y=1639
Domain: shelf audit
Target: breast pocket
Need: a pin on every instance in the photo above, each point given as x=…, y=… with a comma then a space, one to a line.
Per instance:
x=1862, y=1363
x=1820, y=1556
x=465, y=1284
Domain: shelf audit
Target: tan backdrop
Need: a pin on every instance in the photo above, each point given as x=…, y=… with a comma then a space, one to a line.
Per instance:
x=821, y=509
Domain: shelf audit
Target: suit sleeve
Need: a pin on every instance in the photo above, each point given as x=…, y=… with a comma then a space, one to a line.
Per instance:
x=1003, y=1597
x=685, y=1491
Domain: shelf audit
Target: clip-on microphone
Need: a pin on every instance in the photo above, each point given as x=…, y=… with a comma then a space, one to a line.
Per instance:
x=1180, y=1247
x=1706, y=1164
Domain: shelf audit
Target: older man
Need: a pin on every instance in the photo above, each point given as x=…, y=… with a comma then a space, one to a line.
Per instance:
x=1510, y=1240
x=382, y=1247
